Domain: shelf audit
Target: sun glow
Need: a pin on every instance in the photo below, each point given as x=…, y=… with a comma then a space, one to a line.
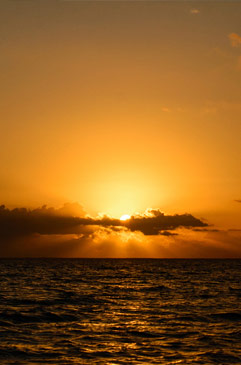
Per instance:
x=125, y=217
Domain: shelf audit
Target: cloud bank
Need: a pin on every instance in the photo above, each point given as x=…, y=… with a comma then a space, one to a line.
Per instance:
x=70, y=232
x=48, y=221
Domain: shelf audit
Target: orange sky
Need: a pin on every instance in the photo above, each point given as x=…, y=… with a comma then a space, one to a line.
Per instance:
x=121, y=107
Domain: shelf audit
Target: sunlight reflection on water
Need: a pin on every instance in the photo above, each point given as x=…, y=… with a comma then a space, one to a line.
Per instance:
x=120, y=311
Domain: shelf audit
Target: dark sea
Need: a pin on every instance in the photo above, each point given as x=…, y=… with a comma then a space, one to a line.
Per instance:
x=120, y=311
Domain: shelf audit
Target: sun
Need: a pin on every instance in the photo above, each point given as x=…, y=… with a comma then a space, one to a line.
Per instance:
x=125, y=217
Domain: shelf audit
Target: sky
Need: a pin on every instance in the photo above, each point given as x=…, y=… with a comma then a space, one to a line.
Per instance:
x=110, y=108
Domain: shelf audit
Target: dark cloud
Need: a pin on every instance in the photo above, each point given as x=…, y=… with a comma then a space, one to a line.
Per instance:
x=167, y=233
x=155, y=221
x=49, y=232
x=49, y=221
x=45, y=221
x=206, y=230
x=237, y=200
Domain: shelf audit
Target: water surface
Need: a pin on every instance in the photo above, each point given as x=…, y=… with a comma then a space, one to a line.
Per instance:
x=96, y=311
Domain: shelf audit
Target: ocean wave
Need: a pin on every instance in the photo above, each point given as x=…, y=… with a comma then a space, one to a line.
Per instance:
x=120, y=312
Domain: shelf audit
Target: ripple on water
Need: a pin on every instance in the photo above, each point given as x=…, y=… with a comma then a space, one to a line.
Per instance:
x=120, y=311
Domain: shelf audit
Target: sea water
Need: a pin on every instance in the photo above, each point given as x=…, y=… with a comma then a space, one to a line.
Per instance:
x=120, y=311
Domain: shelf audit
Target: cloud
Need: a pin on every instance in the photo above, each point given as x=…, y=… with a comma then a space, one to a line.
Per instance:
x=213, y=107
x=48, y=221
x=194, y=11
x=206, y=230
x=235, y=39
x=45, y=221
x=71, y=209
x=237, y=200
x=165, y=110
x=70, y=232
x=154, y=221
x=201, y=244
x=47, y=232
x=167, y=233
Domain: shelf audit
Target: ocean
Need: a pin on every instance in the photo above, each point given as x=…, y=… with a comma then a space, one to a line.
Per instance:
x=120, y=311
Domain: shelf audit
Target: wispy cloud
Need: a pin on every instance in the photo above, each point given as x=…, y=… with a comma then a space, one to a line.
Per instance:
x=205, y=244
x=212, y=107
x=237, y=200
x=235, y=39
x=165, y=110
x=195, y=11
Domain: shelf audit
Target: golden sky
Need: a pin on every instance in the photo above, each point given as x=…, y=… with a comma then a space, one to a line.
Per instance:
x=123, y=106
